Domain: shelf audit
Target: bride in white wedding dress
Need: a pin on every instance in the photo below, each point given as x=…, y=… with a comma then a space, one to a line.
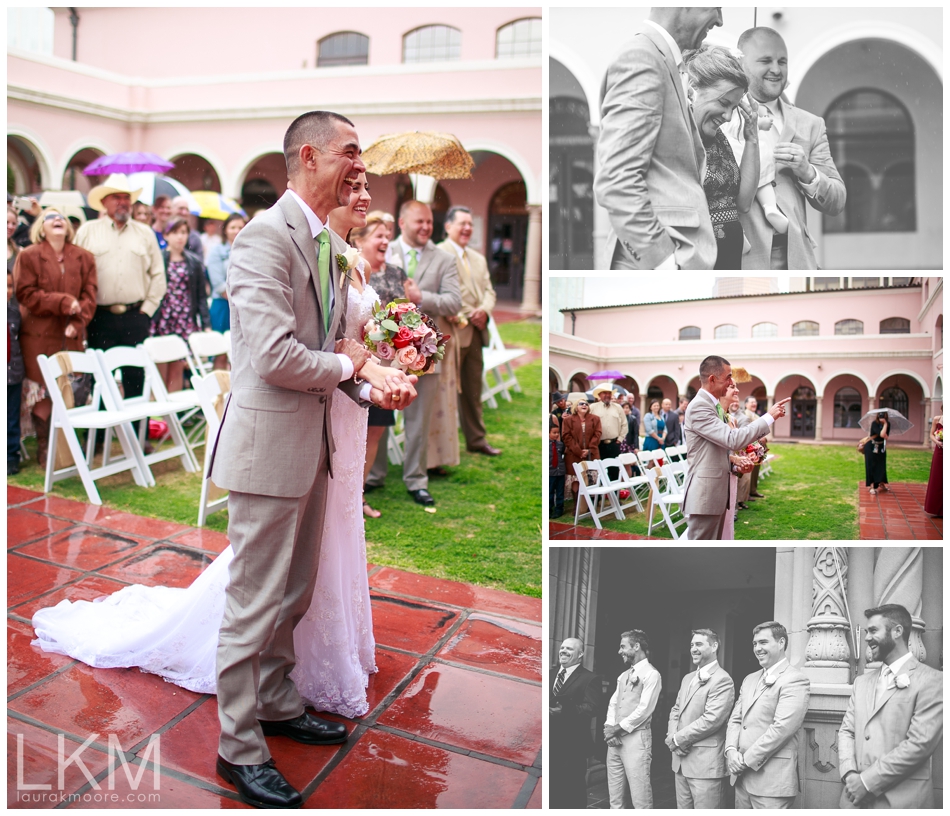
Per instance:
x=174, y=632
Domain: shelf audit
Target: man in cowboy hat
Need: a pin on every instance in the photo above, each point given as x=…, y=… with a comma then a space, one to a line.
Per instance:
x=130, y=271
x=613, y=421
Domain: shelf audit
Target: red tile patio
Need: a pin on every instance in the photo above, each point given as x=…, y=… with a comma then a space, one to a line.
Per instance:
x=897, y=514
x=455, y=710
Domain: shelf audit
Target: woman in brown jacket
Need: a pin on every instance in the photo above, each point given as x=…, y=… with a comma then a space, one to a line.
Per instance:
x=580, y=433
x=56, y=288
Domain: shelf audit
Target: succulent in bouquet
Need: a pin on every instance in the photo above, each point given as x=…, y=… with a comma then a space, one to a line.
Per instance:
x=403, y=337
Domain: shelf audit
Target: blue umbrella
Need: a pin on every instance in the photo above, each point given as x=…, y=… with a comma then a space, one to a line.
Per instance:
x=128, y=163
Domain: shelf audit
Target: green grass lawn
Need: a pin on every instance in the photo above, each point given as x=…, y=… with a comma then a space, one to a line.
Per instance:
x=812, y=494
x=487, y=528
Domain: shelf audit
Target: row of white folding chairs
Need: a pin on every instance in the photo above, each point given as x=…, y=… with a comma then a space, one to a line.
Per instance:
x=667, y=495
x=109, y=411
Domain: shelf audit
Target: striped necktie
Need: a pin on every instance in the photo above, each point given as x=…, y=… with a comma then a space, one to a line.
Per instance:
x=559, y=683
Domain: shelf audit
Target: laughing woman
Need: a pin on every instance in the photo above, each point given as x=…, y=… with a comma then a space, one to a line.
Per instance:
x=717, y=83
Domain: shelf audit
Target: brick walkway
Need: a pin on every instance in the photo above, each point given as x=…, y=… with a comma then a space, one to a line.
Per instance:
x=455, y=710
x=896, y=515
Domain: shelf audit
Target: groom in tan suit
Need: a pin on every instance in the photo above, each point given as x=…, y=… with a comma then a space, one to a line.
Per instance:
x=697, y=729
x=894, y=722
x=763, y=737
x=709, y=440
x=274, y=450
x=651, y=159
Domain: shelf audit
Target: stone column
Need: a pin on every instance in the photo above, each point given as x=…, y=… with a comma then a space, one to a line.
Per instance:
x=828, y=654
x=860, y=597
x=933, y=605
x=898, y=578
x=818, y=419
x=871, y=400
x=531, y=296
x=793, y=567
x=574, y=580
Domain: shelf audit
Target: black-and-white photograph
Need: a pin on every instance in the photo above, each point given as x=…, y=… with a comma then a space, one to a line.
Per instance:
x=745, y=677
x=746, y=138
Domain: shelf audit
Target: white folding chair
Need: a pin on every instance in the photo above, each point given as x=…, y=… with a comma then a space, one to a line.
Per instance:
x=592, y=493
x=673, y=518
x=765, y=469
x=169, y=349
x=634, y=484
x=396, y=441
x=621, y=483
x=677, y=470
x=205, y=346
x=646, y=458
x=144, y=406
x=89, y=418
x=496, y=360
x=209, y=389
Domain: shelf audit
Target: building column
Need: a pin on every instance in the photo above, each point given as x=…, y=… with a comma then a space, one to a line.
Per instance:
x=860, y=597
x=828, y=654
x=871, y=400
x=574, y=581
x=898, y=578
x=601, y=219
x=531, y=296
x=793, y=589
x=818, y=418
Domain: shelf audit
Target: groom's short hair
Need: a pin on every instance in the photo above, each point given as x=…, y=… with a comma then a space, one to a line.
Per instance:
x=637, y=637
x=778, y=631
x=895, y=615
x=712, y=365
x=710, y=636
x=748, y=34
x=316, y=128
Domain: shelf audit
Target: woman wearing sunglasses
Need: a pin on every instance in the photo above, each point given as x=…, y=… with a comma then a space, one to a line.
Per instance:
x=56, y=288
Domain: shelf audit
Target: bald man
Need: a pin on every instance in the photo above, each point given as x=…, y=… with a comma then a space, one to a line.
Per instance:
x=575, y=700
x=804, y=169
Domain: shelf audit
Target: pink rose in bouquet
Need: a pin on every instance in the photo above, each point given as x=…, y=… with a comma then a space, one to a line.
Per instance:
x=385, y=350
x=400, y=333
x=407, y=357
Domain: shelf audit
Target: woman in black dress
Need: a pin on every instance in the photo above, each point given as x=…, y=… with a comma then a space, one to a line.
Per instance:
x=875, y=455
x=717, y=83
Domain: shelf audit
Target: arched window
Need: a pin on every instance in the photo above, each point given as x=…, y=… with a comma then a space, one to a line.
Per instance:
x=895, y=398
x=849, y=327
x=895, y=325
x=343, y=48
x=847, y=408
x=689, y=333
x=765, y=330
x=654, y=392
x=432, y=44
x=522, y=38
x=726, y=331
x=871, y=136
x=805, y=328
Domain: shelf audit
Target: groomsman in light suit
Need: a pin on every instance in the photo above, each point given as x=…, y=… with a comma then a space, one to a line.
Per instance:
x=697, y=730
x=894, y=722
x=627, y=726
x=764, y=732
x=436, y=276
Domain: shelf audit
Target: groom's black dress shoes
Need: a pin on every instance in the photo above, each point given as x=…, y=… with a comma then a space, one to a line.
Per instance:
x=422, y=497
x=306, y=728
x=261, y=786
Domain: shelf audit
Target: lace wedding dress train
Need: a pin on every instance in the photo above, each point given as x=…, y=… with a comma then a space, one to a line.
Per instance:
x=173, y=632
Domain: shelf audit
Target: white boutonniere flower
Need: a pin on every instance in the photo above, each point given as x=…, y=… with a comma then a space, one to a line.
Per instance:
x=769, y=681
x=347, y=261
x=703, y=680
x=902, y=681
x=632, y=683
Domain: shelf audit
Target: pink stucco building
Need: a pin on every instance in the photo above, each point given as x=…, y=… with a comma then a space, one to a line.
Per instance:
x=838, y=352
x=213, y=89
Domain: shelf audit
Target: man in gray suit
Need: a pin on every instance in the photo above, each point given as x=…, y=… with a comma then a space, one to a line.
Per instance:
x=437, y=277
x=697, y=729
x=651, y=159
x=274, y=450
x=804, y=169
x=709, y=441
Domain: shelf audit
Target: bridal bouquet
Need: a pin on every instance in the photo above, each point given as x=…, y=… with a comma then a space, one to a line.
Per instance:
x=756, y=451
x=399, y=334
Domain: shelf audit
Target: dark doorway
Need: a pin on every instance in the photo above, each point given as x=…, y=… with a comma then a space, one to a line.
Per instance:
x=571, y=185
x=804, y=410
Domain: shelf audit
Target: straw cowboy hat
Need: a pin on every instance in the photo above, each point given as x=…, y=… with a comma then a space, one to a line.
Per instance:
x=116, y=183
x=600, y=389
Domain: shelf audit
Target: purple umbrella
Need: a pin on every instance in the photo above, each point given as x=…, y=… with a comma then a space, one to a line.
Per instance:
x=127, y=163
x=605, y=375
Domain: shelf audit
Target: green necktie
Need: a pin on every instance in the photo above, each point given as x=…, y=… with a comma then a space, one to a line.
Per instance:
x=413, y=262
x=323, y=267
x=722, y=414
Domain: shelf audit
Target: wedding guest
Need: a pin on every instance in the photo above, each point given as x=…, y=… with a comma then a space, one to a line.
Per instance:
x=218, y=259
x=717, y=84
x=650, y=153
x=161, y=214
x=933, y=503
x=12, y=247
x=181, y=210
x=752, y=412
x=875, y=455
x=15, y=374
x=560, y=403
x=631, y=443
x=142, y=213
x=56, y=284
x=580, y=433
x=185, y=304
x=654, y=428
x=805, y=170
x=613, y=423
x=210, y=236
x=556, y=471
x=674, y=431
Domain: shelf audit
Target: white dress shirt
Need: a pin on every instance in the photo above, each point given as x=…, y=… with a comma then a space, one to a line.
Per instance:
x=650, y=678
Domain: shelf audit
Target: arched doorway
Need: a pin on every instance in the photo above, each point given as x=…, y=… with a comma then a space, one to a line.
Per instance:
x=195, y=172
x=507, y=234
x=264, y=182
x=804, y=412
x=571, y=171
x=73, y=178
x=579, y=383
x=25, y=167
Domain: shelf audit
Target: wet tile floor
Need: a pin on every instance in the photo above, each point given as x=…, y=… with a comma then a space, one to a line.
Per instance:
x=455, y=710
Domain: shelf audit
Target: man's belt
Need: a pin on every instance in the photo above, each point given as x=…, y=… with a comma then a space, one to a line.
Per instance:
x=122, y=308
x=608, y=441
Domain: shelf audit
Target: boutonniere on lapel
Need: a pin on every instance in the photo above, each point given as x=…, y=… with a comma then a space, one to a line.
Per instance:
x=703, y=680
x=634, y=682
x=347, y=261
x=902, y=681
x=769, y=681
